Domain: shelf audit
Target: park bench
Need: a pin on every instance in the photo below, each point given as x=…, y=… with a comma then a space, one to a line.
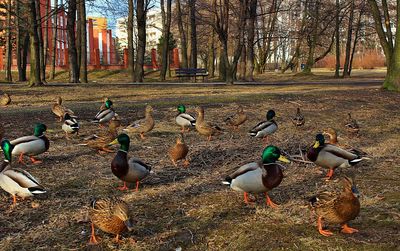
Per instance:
x=191, y=72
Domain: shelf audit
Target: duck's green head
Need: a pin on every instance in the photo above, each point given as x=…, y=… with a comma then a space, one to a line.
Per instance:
x=39, y=129
x=270, y=114
x=319, y=140
x=271, y=154
x=7, y=149
x=123, y=140
x=181, y=108
x=108, y=103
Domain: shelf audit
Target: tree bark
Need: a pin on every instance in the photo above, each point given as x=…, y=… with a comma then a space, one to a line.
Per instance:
x=46, y=35
x=40, y=41
x=211, y=55
x=250, y=40
x=19, y=43
x=54, y=41
x=8, y=62
x=348, y=42
x=25, y=48
x=83, y=45
x=182, y=35
x=34, y=78
x=166, y=36
x=337, y=37
x=193, y=34
x=72, y=53
x=357, y=35
x=141, y=10
x=313, y=40
x=131, y=67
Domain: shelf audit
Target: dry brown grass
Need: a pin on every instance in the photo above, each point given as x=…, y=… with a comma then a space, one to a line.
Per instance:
x=189, y=208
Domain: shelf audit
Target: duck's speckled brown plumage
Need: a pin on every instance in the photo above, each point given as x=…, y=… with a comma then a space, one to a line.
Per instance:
x=101, y=142
x=179, y=150
x=110, y=215
x=204, y=128
x=237, y=119
x=5, y=99
x=143, y=125
x=298, y=119
x=337, y=208
x=352, y=125
x=59, y=110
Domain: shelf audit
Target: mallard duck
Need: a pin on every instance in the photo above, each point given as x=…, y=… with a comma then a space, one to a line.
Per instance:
x=111, y=215
x=352, y=125
x=70, y=125
x=5, y=99
x=103, y=105
x=31, y=145
x=105, y=115
x=236, y=119
x=184, y=119
x=337, y=208
x=130, y=171
x=144, y=125
x=259, y=177
x=265, y=128
x=179, y=151
x=330, y=156
x=17, y=181
x=101, y=142
x=59, y=110
x=205, y=128
x=298, y=120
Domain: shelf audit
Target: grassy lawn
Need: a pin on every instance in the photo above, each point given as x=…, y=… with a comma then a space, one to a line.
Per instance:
x=122, y=76
x=190, y=208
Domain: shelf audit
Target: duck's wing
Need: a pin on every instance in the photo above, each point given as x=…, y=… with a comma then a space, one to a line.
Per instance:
x=339, y=152
x=261, y=126
x=23, y=178
x=187, y=117
x=24, y=139
x=244, y=169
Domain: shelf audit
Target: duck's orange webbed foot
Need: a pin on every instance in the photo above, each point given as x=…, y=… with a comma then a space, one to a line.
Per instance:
x=348, y=230
x=35, y=161
x=269, y=202
x=326, y=233
x=329, y=174
x=21, y=158
x=93, y=239
x=123, y=188
x=186, y=163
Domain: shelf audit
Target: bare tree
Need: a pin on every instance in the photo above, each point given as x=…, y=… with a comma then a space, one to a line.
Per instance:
x=54, y=41
x=83, y=45
x=72, y=53
x=141, y=12
x=348, y=42
x=166, y=20
x=131, y=67
x=182, y=34
x=34, y=78
x=337, y=38
x=250, y=39
x=8, y=43
x=193, y=34
x=40, y=41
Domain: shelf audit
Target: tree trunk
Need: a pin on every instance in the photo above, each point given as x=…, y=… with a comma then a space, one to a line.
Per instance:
x=25, y=48
x=141, y=27
x=46, y=35
x=166, y=35
x=193, y=34
x=357, y=34
x=182, y=35
x=19, y=43
x=348, y=42
x=54, y=41
x=250, y=40
x=34, y=46
x=78, y=34
x=337, y=37
x=131, y=67
x=313, y=43
x=242, y=64
x=8, y=62
x=211, y=56
x=83, y=45
x=72, y=53
x=40, y=41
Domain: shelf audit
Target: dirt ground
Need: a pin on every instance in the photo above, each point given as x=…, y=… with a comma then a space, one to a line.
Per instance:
x=190, y=208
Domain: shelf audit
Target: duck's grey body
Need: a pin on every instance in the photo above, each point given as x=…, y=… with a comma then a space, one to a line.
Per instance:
x=263, y=129
x=137, y=170
x=248, y=178
x=332, y=156
x=186, y=120
x=29, y=145
x=104, y=116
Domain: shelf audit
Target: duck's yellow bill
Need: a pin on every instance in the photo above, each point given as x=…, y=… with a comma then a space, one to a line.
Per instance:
x=114, y=142
x=283, y=159
x=316, y=144
x=49, y=130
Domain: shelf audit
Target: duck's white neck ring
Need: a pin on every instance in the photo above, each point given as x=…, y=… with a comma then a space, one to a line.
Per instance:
x=123, y=151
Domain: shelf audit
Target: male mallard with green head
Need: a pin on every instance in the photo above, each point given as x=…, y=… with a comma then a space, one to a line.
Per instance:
x=111, y=215
x=183, y=119
x=236, y=119
x=31, y=145
x=132, y=170
x=205, y=128
x=17, y=181
x=106, y=114
x=330, y=156
x=144, y=125
x=337, y=208
x=265, y=128
x=259, y=177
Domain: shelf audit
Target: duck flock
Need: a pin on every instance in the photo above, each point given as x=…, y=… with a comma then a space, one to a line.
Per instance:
x=111, y=215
